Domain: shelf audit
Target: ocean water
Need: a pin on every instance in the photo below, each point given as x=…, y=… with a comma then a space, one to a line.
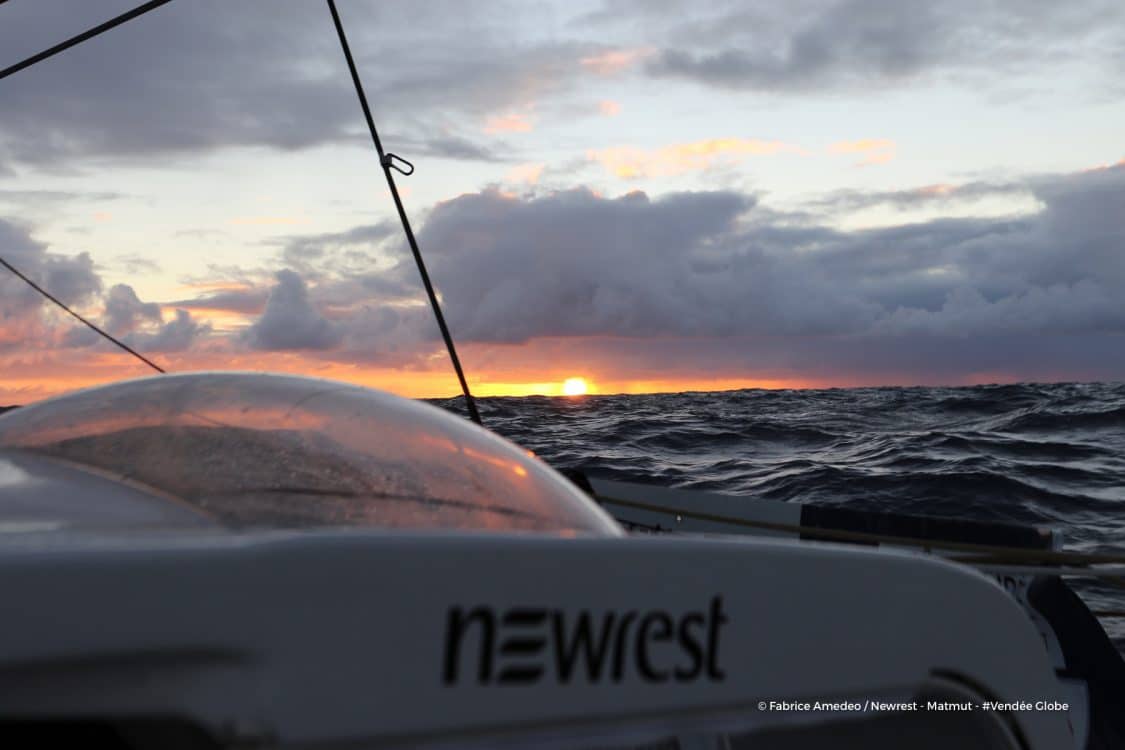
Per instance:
x=1050, y=455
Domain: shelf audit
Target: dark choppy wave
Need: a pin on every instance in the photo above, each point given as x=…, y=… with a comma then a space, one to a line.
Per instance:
x=1037, y=454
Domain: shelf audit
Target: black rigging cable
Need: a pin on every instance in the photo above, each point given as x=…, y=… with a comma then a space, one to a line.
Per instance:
x=101, y=28
x=388, y=162
x=93, y=327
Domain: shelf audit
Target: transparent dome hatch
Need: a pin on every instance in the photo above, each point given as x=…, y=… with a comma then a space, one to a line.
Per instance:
x=252, y=450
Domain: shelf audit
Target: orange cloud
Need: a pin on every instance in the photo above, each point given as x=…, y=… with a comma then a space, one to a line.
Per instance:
x=609, y=108
x=1103, y=167
x=512, y=122
x=615, y=61
x=873, y=150
x=629, y=162
x=936, y=191
x=529, y=173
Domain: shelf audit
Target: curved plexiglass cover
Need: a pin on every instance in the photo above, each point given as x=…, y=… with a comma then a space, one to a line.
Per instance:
x=257, y=450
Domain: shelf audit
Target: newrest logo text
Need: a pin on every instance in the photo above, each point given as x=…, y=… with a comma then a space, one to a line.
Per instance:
x=525, y=644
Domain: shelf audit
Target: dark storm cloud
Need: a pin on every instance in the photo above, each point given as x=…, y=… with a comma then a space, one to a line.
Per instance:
x=717, y=265
x=208, y=74
x=72, y=279
x=706, y=266
x=324, y=305
x=29, y=321
x=718, y=281
x=835, y=43
x=176, y=335
x=17, y=300
x=1053, y=272
x=290, y=320
x=124, y=311
x=367, y=318
x=576, y=264
x=137, y=323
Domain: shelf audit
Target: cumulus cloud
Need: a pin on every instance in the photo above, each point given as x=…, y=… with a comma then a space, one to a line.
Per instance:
x=137, y=323
x=573, y=263
x=718, y=265
x=142, y=325
x=370, y=318
x=718, y=281
x=124, y=311
x=71, y=279
x=290, y=320
x=176, y=335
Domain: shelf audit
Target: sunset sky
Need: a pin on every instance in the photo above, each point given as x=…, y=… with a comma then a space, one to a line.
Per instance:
x=650, y=195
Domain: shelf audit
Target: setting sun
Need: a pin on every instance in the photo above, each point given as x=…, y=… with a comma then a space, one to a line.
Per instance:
x=574, y=387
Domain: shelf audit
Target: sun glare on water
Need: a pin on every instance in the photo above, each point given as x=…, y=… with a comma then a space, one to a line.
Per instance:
x=574, y=387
